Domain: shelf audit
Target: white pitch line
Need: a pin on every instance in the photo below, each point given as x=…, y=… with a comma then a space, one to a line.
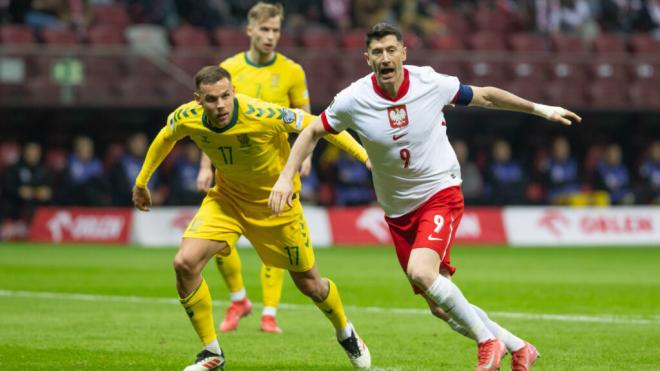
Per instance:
x=604, y=318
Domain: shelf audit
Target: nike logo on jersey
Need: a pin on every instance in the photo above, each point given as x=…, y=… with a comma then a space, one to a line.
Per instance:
x=397, y=137
x=431, y=238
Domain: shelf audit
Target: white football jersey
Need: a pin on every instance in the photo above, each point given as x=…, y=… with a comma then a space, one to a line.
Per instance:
x=405, y=137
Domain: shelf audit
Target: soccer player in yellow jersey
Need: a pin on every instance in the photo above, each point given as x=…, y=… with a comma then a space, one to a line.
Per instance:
x=262, y=73
x=246, y=139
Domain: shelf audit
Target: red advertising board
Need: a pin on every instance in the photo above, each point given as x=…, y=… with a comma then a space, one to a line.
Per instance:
x=91, y=225
x=359, y=226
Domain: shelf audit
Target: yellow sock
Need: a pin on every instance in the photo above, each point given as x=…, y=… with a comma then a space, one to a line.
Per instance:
x=230, y=268
x=333, y=308
x=199, y=308
x=271, y=285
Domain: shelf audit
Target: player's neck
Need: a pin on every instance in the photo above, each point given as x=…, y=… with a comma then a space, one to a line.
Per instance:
x=260, y=58
x=392, y=88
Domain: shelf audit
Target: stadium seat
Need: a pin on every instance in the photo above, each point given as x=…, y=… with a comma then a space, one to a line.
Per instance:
x=529, y=69
x=12, y=34
x=43, y=91
x=642, y=44
x=568, y=71
x=455, y=23
x=106, y=66
x=486, y=41
x=607, y=70
x=191, y=63
x=526, y=42
x=110, y=14
x=645, y=70
x=147, y=38
x=13, y=94
x=138, y=66
x=493, y=22
x=412, y=41
x=353, y=39
x=97, y=90
x=527, y=88
x=318, y=38
x=174, y=93
x=608, y=43
x=565, y=43
x=138, y=91
x=445, y=43
x=287, y=40
x=565, y=93
x=59, y=37
x=481, y=73
x=607, y=94
x=189, y=37
x=234, y=38
x=105, y=35
x=645, y=94
x=452, y=68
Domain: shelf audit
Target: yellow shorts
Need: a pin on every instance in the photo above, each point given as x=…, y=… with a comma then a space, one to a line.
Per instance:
x=281, y=241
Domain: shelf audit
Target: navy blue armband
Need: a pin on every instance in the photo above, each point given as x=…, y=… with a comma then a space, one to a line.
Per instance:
x=463, y=96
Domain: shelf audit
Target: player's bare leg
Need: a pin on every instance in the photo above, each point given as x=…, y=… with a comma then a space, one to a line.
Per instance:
x=195, y=297
x=325, y=296
x=422, y=270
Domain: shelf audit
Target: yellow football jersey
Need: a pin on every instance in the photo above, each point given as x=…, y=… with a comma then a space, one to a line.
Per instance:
x=251, y=151
x=280, y=81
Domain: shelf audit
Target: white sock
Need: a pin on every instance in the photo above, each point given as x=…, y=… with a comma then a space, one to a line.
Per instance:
x=344, y=333
x=213, y=346
x=238, y=295
x=269, y=311
x=460, y=329
x=450, y=298
x=511, y=341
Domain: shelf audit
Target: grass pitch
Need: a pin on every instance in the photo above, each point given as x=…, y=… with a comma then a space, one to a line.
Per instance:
x=96, y=307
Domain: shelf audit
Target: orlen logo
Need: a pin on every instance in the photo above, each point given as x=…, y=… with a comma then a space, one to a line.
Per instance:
x=373, y=222
x=94, y=227
x=554, y=221
x=624, y=224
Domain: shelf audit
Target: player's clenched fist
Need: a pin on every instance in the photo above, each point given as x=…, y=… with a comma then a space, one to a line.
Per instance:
x=281, y=195
x=141, y=198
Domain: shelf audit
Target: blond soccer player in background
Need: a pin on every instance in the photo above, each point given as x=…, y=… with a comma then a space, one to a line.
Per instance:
x=246, y=139
x=262, y=73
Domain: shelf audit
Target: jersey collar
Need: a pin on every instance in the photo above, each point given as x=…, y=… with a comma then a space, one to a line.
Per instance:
x=403, y=89
x=232, y=122
x=255, y=64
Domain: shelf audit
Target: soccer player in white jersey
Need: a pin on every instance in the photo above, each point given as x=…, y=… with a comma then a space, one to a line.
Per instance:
x=397, y=111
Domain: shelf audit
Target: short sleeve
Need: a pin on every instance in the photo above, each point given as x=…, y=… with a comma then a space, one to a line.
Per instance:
x=298, y=94
x=448, y=88
x=337, y=117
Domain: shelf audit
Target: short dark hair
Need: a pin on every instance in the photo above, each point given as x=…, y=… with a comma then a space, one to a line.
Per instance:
x=380, y=30
x=210, y=75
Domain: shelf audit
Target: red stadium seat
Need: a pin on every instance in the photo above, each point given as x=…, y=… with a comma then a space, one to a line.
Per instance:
x=138, y=92
x=445, y=43
x=13, y=94
x=189, y=37
x=493, y=22
x=139, y=66
x=645, y=94
x=455, y=23
x=608, y=43
x=108, y=67
x=111, y=14
x=608, y=71
x=608, y=94
x=191, y=63
x=16, y=35
x=528, y=69
x=53, y=36
x=565, y=43
x=174, y=93
x=105, y=34
x=645, y=70
x=525, y=42
x=43, y=91
x=565, y=93
x=287, y=40
x=486, y=73
x=318, y=38
x=527, y=88
x=412, y=41
x=641, y=43
x=486, y=41
x=97, y=91
x=354, y=39
x=450, y=68
x=234, y=38
x=569, y=71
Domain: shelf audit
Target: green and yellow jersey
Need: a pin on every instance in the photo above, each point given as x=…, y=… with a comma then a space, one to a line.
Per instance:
x=280, y=81
x=249, y=153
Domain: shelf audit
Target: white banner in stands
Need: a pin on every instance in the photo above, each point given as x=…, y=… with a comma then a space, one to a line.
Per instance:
x=163, y=226
x=548, y=226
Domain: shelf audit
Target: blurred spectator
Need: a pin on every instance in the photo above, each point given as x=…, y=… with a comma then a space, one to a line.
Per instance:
x=310, y=187
x=338, y=13
x=612, y=176
x=26, y=185
x=367, y=13
x=418, y=16
x=353, y=183
x=183, y=179
x=650, y=175
x=124, y=173
x=473, y=183
x=48, y=14
x=569, y=16
x=507, y=182
x=560, y=173
x=161, y=12
x=203, y=13
x=85, y=184
x=627, y=15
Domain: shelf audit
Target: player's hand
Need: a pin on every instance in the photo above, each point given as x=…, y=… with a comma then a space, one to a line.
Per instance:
x=556, y=114
x=204, y=179
x=141, y=198
x=368, y=164
x=306, y=166
x=281, y=195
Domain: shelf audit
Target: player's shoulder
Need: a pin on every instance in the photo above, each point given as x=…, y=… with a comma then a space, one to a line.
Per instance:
x=285, y=62
x=186, y=113
x=235, y=60
x=427, y=74
x=254, y=109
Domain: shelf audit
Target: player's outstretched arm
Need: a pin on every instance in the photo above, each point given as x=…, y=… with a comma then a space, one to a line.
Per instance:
x=282, y=193
x=158, y=150
x=495, y=98
x=205, y=175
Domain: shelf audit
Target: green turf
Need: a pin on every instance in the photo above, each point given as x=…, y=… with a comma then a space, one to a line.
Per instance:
x=106, y=330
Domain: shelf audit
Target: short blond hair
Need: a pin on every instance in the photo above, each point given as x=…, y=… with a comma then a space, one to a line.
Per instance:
x=261, y=11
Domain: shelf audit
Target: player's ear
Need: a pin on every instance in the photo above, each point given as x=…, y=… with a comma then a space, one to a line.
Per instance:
x=366, y=58
x=248, y=29
x=404, y=51
x=198, y=98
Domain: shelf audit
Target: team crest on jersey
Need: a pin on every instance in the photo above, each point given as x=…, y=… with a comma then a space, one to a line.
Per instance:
x=274, y=80
x=398, y=116
x=288, y=116
x=244, y=140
